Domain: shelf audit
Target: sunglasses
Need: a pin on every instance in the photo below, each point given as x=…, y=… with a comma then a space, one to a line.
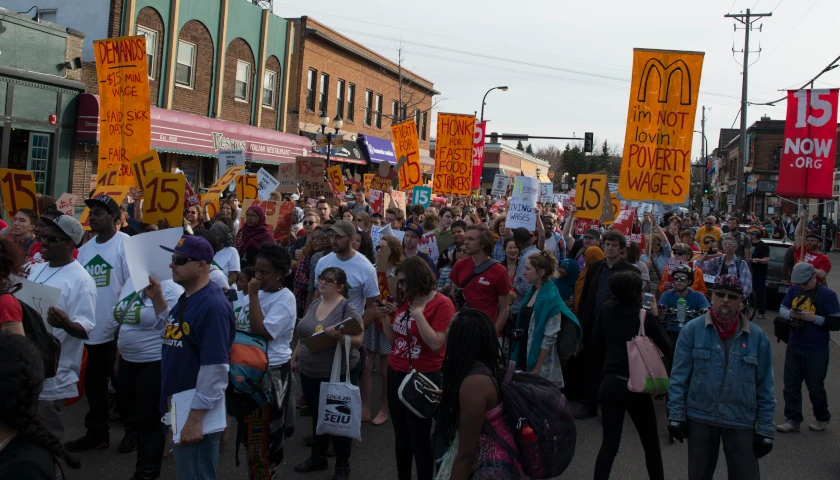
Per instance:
x=181, y=260
x=327, y=280
x=708, y=242
x=52, y=239
x=682, y=252
x=681, y=279
x=309, y=223
x=731, y=296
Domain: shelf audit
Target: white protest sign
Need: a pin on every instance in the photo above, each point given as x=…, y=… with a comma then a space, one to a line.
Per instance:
x=39, y=297
x=376, y=233
x=546, y=192
x=145, y=257
x=266, y=183
x=500, y=184
x=230, y=158
x=730, y=200
x=399, y=234
x=428, y=245
x=523, y=201
x=660, y=209
x=65, y=204
x=613, y=187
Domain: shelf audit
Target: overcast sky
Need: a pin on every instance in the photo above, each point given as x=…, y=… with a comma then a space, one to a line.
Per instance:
x=568, y=64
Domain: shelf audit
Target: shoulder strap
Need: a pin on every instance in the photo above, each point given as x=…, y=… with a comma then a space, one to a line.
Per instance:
x=478, y=270
x=642, y=316
x=344, y=310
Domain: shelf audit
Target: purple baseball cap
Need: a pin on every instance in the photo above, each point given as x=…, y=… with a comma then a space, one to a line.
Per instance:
x=196, y=248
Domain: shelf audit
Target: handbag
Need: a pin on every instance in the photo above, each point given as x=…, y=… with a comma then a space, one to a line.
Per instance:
x=647, y=371
x=340, y=403
x=417, y=392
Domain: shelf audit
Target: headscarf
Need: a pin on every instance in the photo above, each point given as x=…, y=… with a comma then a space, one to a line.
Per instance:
x=222, y=231
x=253, y=236
x=591, y=255
x=566, y=285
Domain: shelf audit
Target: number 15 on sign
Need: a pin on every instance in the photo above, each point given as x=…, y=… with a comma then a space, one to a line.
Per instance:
x=589, y=196
x=421, y=196
x=18, y=188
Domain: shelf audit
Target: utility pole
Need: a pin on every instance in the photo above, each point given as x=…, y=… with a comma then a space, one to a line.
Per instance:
x=747, y=19
x=703, y=148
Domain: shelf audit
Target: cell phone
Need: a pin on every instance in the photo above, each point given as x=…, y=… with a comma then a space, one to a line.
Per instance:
x=231, y=295
x=648, y=301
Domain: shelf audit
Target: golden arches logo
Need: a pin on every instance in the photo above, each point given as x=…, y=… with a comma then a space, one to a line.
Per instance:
x=665, y=76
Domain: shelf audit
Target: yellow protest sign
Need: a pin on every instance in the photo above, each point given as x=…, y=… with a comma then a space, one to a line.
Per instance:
x=221, y=184
x=615, y=208
x=453, y=154
x=656, y=165
x=368, y=179
x=590, y=195
x=125, y=129
x=18, y=188
x=247, y=187
x=406, y=145
x=107, y=176
x=334, y=174
x=212, y=205
x=142, y=164
x=116, y=192
x=163, y=197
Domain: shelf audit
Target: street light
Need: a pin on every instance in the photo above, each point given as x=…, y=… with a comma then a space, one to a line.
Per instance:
x=337, y=123
x=483, y=100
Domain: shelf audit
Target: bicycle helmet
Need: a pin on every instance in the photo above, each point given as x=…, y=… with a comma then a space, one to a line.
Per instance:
x=686, y=270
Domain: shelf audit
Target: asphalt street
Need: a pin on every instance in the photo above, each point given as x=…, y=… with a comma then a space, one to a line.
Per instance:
x=807, y=454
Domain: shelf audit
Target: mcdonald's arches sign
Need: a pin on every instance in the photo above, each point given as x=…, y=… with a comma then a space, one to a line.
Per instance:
x=656, y=165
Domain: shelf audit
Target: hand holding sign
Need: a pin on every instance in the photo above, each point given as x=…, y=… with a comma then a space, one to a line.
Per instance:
x=18, y=189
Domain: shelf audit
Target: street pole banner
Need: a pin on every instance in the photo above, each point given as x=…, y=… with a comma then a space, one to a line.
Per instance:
x=523, y=202
x=806, y=169
x=656, y=165
x=478, y=153
x=125, y=124
x=406, y=145
x=453, y=154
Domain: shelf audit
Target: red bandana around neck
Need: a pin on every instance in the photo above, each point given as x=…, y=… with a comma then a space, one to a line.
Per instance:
x=725, y=328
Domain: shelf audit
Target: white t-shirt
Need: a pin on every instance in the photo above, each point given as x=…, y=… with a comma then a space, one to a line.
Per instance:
x=78, y=301
x=139, y=341
x=218, y=277
x=240, y=310
x=227, y=259
x=105, y=263
x=280, y=313
x=361, y=277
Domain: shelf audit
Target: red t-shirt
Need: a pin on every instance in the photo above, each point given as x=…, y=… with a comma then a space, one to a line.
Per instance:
x=3, y=224
x=438, y=312
x=817, y=259
x=483, y=291
x=10, y=310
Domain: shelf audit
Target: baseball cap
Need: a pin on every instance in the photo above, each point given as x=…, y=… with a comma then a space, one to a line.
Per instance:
x=729, y=283
x=193, y=247
x=802, y=273
x=106, y=202
x=815, y=233
x=342, y=228
x=67, y=224
x=414, y=227
x=592, y=233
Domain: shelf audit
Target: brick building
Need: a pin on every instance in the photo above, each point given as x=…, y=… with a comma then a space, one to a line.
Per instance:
x=40, y=82
x=333, y=74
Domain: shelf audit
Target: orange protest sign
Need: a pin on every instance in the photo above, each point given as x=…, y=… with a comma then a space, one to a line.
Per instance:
x=18, y=189
x=107, y=176
x=125, y=123
x=221, y=184
x=246, y=187
x=453, y=154
x=589, y=196
x=212, y=205
x=116, y=192
x=656, y=164
x=142, y=164
x=368, y=179
x=270, y=208
x=163, y=197
x=406, y=145
x=334, y=174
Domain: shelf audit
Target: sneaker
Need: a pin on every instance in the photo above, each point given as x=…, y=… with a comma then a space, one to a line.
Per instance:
x=301, y=402
x=788, y=427
x=761, y=316
x=86, y=443
x=129, y=442
x=818, y=426
x=586, y=411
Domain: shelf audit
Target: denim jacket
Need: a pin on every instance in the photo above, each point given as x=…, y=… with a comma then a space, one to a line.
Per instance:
x=740, y=396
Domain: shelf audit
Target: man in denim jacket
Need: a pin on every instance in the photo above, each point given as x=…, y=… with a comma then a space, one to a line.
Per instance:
x=722, y=388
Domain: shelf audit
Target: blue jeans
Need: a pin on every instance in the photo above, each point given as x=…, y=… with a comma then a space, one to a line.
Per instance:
x=811, y=367
x=197, y=461
x=704, y=446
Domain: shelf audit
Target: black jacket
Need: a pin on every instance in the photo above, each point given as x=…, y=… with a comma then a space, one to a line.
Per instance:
x=586, y=307
x=615, y=325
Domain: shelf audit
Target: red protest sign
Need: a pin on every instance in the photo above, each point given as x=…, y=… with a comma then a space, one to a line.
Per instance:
x=478, y=153
x=624, y=222
x=190, y=198
x=584, y=224
x=806, y=169
x=639, y=239
x=500, y=204
x=376, y=201
x=286, y=212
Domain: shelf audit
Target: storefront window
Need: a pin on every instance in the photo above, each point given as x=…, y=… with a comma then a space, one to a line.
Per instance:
x=39, y=154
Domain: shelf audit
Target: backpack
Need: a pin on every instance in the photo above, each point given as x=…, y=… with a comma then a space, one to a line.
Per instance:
x=36, y=331
x=530, y=400
x=248, y=374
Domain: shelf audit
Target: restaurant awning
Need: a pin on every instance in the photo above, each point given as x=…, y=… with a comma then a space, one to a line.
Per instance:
x=348, y=153
x=189, y=134
x=376, y=149
x=488, y=175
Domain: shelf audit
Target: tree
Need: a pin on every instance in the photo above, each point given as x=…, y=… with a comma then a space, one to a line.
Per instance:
x=409, y=100
x=529, y=149
x=519, y=146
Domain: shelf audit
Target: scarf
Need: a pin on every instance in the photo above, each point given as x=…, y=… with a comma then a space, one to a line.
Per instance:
x=566, y=285
x=253, y=236
x=725, y=328
x=548, y=304
x=590, y=255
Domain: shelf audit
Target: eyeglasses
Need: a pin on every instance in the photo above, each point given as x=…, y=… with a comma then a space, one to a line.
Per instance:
x=310, y=223
x=52, y=239
x=681, y=252
x=731, y=296
x=181, y=260
x=327, y=280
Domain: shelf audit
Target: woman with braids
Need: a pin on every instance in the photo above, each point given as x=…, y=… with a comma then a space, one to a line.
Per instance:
x=470, y=400
x=27, y=449
x=270, y=312
x=418, y=336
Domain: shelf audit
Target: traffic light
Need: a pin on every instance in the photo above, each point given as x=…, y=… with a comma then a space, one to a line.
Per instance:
x=588, y=139
x=706, y=189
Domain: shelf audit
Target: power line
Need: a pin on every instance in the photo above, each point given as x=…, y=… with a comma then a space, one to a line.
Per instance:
x=830, y=66
x=777, y=6
x=794, y=27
